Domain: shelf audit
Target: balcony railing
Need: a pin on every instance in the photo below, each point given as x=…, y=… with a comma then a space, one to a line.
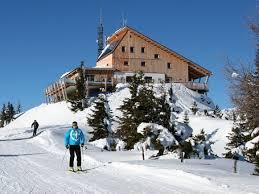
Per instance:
x=197, y=86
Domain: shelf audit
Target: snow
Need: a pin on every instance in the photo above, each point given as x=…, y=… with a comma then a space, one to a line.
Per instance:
x=183, y=130
x=64, y=75
x=251, y=144
x=164, y=136
x=234, y=75
x=210, y=125
x=38, y=165
x=255, y=132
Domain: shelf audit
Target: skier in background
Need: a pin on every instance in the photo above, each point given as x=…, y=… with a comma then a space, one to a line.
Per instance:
x=74, y=138
x=35, y=126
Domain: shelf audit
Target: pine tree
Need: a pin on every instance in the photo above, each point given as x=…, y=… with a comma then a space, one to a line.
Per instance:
x=77, y=100
x=10, y=112
x=146, y=107
x=236, y=140
x=101, y=119
x=186, y=118
x=18, y=108
x=163, y=112
x=3, y=116
x=256, y=171
x=202, y=144
x=217, y=112
x=194, y=108
x=137, y=80
x=131, y=113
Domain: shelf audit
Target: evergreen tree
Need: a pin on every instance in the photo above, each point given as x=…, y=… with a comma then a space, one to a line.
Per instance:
x=18, y=108
x=254, y=149
x=194, y=108
x=10, y=112
x=3, y=116
x=137, y=80
x=77, y=100
x=131, y=111
x=186, y=118
x=101, y=119
x=236, y=141
x=257, y=163
x=146, y=107
x=163, y=112
x=217, y=112
x=202, y=144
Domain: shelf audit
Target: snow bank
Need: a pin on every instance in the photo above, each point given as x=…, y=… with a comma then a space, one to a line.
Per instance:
x=164, y=136
x=209, y=125
x=46, y=115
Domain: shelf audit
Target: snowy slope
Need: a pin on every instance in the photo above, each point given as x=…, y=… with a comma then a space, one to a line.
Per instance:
x=38, y=165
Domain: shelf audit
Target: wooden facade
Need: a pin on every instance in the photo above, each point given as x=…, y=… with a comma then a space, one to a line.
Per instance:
x=132, y=51
x=127, y=52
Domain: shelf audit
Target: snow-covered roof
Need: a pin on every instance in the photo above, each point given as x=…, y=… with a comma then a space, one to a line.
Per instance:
x=108, y=49
x=64, y=75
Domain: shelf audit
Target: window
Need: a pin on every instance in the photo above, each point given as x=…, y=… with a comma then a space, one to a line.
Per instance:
x=142, y=49
x=132, y=49
x=169, y=66
x=143, y=63
x=90, y=78
x=128, y=79
x=123, y=49
x=148, y=79
x=126, y=63
x=156, y=56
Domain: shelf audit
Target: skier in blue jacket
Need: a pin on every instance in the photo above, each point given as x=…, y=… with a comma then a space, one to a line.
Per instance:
x=74, y=137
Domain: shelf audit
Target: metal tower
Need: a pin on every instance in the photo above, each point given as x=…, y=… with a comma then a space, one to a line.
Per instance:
x=100, y=39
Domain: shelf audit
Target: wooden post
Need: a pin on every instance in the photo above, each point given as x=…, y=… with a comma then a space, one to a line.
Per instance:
x=143, y=153
x=235, y=166
x=105, y=86
x=181, y=155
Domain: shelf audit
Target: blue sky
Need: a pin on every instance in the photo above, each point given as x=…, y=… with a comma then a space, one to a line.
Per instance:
x=40, y=40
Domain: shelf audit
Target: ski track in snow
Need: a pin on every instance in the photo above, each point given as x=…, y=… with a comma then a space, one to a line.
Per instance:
x=35, y=166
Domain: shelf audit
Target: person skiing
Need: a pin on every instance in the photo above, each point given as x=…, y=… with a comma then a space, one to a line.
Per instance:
x=73, y=139
x=35, y=126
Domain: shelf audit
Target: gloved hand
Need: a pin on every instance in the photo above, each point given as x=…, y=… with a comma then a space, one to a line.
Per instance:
x=67, y=146
x=82, y=145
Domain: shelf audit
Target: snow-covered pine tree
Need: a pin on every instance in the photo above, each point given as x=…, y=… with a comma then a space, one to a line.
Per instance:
x=217, y=112
x=146, y=105
x=3, y=116
x=194, y=107
x=18, y=108
x=186, y=118
x=101, y=118
x=202, y=144
x=127, y=130
x=252, y=146
x=235, y=146
x=256, y=171
x=163, y=112
x=10, y=112
x=77, y=99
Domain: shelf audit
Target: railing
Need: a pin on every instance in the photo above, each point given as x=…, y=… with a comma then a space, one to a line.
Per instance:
x=197, y=86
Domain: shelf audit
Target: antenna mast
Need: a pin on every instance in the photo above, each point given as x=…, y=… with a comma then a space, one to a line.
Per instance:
x=100, y=39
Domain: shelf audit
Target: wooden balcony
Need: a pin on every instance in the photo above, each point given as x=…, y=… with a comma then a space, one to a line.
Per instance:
x=203, y=87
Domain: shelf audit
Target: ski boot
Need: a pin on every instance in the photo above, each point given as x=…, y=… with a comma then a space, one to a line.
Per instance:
x=79, y=168
x=71, y=169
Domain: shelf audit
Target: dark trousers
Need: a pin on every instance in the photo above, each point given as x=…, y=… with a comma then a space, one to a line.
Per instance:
x=75, y=149
x=34, y=131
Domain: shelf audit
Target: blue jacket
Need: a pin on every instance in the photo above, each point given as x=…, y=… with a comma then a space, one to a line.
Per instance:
x=74, y=137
